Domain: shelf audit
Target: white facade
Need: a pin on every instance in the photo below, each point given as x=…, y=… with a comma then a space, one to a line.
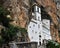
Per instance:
x=34, y=31
x=36, y=28
x=46, y=29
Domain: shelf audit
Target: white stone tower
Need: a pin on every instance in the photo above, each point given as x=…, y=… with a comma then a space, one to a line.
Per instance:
x=35, y=26
x=38, y=29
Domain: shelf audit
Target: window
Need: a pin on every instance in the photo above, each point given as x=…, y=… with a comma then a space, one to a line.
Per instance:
x=30, y=27
x=39, y=39
x=34, y=17
x=38, y=18
x=35, y=32
x=32, y=37
x=38, y=26
x=40, y=36
x=32, y=30
x=40, y=43
x=46, y=22
x=32, y=9
x=39, y=32
x=37, y=9
x=33, y=25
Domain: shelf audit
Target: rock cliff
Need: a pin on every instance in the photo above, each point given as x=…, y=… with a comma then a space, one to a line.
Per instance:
x=19, y=11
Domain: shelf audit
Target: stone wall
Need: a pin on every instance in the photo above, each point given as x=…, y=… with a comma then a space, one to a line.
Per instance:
x=19, y=11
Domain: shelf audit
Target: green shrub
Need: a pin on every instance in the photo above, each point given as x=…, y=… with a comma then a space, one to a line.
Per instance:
x=52, y=44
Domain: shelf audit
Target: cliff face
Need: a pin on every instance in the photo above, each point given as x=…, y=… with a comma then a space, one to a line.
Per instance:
x=20, y=12
x=19, y=7
x=58, y=11
x=50, y=8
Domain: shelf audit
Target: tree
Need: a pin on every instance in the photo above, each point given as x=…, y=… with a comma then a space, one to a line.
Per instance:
x=52, y=44
x=3, y=16
x=9, y=33
x=4, y=21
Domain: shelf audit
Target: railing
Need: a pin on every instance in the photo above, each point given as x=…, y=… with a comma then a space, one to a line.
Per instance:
x=23, y=45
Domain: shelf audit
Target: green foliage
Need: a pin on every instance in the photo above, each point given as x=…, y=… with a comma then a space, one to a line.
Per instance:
x=10, y=34
x=52, y=45
x=3, y=16
x=1, y=41
x=23, y=30
x=3, y=11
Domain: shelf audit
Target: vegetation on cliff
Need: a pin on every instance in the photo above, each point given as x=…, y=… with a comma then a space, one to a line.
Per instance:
x=9, y=32
x=52, y=44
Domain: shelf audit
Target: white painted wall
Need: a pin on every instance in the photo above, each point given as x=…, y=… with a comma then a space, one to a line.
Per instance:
x=34, y=30
x=46, y=23
x=38, y=28
x=38, y=16
x=46, y=29
x=35, y=26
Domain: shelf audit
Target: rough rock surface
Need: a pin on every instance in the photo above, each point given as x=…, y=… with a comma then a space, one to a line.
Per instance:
x=50, y=8
x=20, y=12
